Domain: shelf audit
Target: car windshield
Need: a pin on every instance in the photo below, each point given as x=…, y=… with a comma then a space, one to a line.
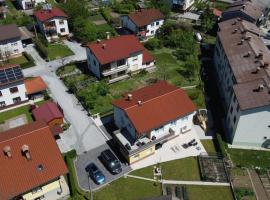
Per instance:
x=94, y=168
x=115, y=164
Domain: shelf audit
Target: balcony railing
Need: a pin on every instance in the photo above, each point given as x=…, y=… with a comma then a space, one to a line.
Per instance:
x=114, y=70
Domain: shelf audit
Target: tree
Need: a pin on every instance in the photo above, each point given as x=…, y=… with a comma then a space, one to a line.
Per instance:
x=207, y=19
x=200, y=4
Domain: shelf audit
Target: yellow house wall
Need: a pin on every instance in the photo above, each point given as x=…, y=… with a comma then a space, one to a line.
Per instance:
x=142, y=154
x=45, y=189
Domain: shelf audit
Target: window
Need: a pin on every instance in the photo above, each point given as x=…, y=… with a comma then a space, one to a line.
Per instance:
x=173, y=123
x=238, y=107
x=13, y=90
x=16, y=51
x=38, y=189
x=61, y=21
x=234, y=98
x=234, y=119
x=14, y=44
x=1, y=93
x=184, y=128
x=231, y=109
x=157, y=23
x=121, y=62
x=152, y=32
x=135, y=58
x=62, y=30
x=152, y=24
x=95, y=63
x=17, y=100
x=2, y=104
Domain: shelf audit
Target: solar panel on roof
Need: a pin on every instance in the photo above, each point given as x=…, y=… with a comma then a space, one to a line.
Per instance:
x=10, y=74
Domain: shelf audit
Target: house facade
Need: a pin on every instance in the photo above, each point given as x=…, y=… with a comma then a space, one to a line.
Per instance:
x=33, y=173
x=12, y=88
x=52, y=23
x=242, y=66
x=116, y=57
x=29, y=4
x=150, y=116
x=144, y=23
x=245, y=9
x=181, y=5
x=10, y=42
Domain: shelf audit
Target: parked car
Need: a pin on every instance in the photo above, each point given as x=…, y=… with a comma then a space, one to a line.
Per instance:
x=111, y=162
x=95, y=173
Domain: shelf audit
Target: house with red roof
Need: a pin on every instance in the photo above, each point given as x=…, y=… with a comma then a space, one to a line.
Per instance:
x=35, y=87
x=32, y=166
x=29, y=4
x=144, y=23
x=52, y=22
x=149, y=116
x=114, y=58
x=51, y=114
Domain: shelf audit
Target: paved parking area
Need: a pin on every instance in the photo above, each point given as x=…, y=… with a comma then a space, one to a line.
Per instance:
x=92, y=156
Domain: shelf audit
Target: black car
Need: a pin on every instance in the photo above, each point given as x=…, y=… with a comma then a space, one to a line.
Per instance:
x=111, y=162
x=95, y=173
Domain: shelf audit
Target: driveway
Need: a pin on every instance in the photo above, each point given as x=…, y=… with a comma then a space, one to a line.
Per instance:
x=92, y=156
x=83, y=135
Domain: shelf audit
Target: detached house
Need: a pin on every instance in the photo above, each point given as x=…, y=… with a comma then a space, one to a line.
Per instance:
x=10, y=42
x=29, y=4
x=244, y=9
x=52, y=23
x=144, y=23
x=114, y=58
x=150, y=116
x=32, y=166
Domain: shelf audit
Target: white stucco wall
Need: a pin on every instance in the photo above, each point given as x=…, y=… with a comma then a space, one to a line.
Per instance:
x=135, y=62
x=252, y=127
x=14, y=46
x=7, y=96
x=23, y=2
x=95, y=69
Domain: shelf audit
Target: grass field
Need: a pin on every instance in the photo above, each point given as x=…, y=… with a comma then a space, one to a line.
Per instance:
x=182, y=169
x=209, y=146
x=56, y=51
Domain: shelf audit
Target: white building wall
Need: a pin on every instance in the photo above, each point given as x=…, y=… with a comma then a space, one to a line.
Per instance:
x=252, y=128
x=135, y=62
x=122, y=121
x=23, y=2
x=153, y=27
x=7, y=96
x=92, y=63
x=14, y=46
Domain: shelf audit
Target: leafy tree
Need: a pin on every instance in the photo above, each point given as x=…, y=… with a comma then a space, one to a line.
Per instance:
x=84, y=30
x=207, y=19
x=152, y=44
x=200, y=4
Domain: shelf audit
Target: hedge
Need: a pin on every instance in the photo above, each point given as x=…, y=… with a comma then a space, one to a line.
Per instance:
x=30, y=60
x=41, y=48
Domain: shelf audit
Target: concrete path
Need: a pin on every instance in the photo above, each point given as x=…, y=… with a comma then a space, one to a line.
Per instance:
x=83, y=134
x=176, y=182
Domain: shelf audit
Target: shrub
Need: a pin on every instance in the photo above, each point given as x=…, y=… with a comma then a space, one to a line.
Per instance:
x=30, y=60
x=152, y=44
x=41, y=48
x=105, y=12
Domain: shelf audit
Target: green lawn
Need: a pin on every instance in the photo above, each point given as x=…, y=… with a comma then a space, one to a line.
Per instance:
x=209, y=193
x=15, y=112
x=250, y=158
x=221, y=5
x=23, y=61
x=128, y=189
x=96, y=17
x=182, y=169
x=56, y=51
x=65, y=70
x=209, y=146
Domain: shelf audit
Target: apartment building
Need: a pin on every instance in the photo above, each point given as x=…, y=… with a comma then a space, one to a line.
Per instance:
x=115, y=58
x=32, y=166
x=52, y=23
x=150, y=116
x=244, y=9
x=181, y=5
x=10, y=42
x=242, y=65
x=144, y=23
x=29, y=4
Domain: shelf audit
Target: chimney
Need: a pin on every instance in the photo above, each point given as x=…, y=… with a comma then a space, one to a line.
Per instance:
x=98, y=40
x=129, y=97
x=257, y=70
x=234, y=22
x=234, y=31
x=243, y=7
x=25, y=151
x=248, y=38
x=103, y=46
x=108, y=35
x=7, y=151
x=241, y=42
x=247, y=54
x=260, y=88
x=139, y=103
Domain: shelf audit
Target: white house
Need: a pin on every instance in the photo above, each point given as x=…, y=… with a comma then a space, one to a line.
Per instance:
x=114, y=58
x=29, y=4
x=12, y=88
x=242, y=66
x=149, y=116
x=10, y=42
x=144, y=23
x=181, y=5
x=52, y=23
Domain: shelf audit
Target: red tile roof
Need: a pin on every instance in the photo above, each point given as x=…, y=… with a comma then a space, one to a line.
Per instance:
x=45, y=15
x=19, y=175
x=161, y=103
x=117, y=48
x=145, y=17
x=35, y=85
x=47, y=112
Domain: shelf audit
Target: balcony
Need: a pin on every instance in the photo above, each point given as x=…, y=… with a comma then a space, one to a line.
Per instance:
x=114, y=70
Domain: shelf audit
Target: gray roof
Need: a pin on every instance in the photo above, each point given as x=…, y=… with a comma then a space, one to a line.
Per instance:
x=9, y=31
x=249, y=60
